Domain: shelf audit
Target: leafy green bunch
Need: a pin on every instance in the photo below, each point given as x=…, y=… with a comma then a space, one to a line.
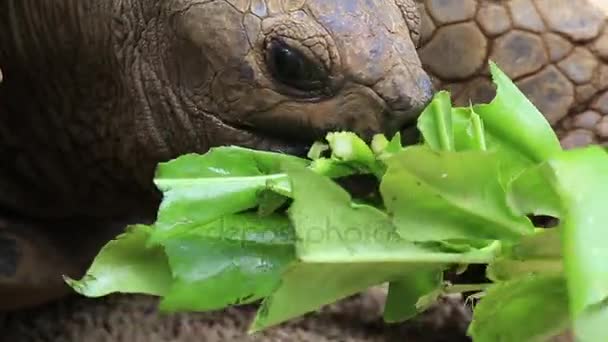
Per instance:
x=237, y=226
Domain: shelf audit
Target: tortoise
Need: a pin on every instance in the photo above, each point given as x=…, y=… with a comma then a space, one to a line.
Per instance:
x=96, y=93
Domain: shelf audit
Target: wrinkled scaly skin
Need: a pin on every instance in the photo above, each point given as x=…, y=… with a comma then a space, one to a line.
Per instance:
x=96, y=93
x=555, y=50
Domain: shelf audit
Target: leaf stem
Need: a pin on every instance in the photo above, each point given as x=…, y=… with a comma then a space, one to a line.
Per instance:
x=444, y=125
x=478, y=131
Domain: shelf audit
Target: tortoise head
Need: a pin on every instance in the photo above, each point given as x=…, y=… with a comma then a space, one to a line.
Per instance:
x=291, y=70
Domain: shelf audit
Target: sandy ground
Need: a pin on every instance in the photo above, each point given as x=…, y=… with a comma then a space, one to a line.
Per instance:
x=134, y=319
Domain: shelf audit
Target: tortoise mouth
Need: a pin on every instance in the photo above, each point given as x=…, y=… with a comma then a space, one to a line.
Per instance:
x=250, y=137
x=268, y=141
x=274, y=141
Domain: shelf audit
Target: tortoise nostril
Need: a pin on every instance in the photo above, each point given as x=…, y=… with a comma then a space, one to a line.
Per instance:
x=425, y=95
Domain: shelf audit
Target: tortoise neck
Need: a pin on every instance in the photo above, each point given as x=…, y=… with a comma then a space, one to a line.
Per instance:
x=37, y=31
x=64, y=107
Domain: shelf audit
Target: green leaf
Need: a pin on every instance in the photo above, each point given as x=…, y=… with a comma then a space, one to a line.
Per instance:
x=225, y=161
x=346, y=247
x=126, y=265
x=327, y=222
x=459, y=199
x=532, y=308
x=235, y=260
x=591, y=324
x=513, y=128
x=476, y=131
x=270, y=201
x=317, y=150
x=330, y=228
x=465, y=134
x=544, y=244
x=435, y=123
x=351, y=150
x=306, y=287
x=504, y=269
x=514, y=120
x=436, y=196
x=347, y=146
x=470, y=134
x=383, y=148
x=580, y=177
x=403, y=300
x=198, y=189
x=379, y=144
x=334, y=168
x=533, y=254
x=532, y=193
x=394, y=145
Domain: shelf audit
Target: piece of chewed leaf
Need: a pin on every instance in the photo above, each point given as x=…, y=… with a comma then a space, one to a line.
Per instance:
x=350, y=155
x=126, y=265
x=379, y=144
x=530, y=308
x=316, y=150
x=347, y=146
x=350, y=149
x=438, y=196
x=384, y=148
x=234, y=260
x=198, y=189
x=435, y=123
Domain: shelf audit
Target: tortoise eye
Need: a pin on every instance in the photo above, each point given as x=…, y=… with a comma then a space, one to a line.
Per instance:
x=290, y=67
